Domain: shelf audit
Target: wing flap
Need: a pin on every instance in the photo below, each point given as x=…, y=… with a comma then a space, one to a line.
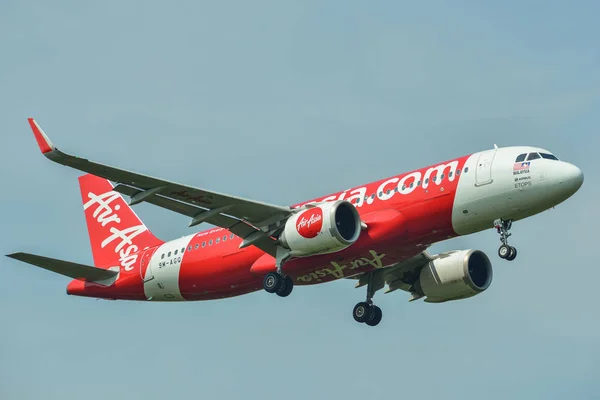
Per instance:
x=236, y=226
x=398, y=276
x=252, y=211
x=66, y=268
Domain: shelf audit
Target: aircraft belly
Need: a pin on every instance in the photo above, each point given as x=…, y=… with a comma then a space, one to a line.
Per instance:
x=333, y=267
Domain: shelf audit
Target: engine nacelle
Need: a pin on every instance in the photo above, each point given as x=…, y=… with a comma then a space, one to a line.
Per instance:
x=324, y=228
x=455, y=275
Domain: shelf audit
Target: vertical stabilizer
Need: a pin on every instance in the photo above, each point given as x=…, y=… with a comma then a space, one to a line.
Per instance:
x=116, y=232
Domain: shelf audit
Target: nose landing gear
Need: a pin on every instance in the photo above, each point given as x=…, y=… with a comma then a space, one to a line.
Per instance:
x=505, y=251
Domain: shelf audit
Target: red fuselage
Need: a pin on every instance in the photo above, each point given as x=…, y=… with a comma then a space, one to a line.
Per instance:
x=404, y=215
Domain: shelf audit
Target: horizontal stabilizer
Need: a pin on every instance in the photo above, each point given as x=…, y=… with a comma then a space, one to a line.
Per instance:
x=73, y=270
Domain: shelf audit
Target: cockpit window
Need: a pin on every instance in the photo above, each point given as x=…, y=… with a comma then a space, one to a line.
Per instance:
x=533, y=156
x=521, y=158
x=549, y=156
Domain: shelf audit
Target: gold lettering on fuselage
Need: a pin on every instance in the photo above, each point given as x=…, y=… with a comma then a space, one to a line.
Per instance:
x=338, y=271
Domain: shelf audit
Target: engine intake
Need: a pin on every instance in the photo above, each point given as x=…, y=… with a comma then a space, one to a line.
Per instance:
x=455, y=275
x=323, y=228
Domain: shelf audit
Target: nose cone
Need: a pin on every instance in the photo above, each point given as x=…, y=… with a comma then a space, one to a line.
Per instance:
x=571, y=178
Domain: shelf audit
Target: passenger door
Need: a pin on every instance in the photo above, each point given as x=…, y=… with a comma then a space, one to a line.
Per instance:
x=483, y=173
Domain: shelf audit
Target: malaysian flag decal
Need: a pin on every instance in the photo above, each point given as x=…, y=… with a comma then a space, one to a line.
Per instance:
x=521, y=166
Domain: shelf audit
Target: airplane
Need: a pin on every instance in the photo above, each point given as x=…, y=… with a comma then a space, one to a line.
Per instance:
x=375, y=234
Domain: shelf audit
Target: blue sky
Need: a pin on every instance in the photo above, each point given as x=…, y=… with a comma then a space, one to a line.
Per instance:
x=284, y=101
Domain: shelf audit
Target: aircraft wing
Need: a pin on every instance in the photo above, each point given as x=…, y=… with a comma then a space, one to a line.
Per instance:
x=240, y=228
x=243, y=217
x=399, y=276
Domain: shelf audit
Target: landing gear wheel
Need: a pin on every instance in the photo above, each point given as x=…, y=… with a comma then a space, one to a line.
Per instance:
x=513, y=254
x=361, y=312
x=272, y=282
x=504, y=251
x=286, y=287
x=277, y=281
x=366, y=311
x=374, y=316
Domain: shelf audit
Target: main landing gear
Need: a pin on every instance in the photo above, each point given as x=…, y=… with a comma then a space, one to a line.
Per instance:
x=278, y=282
x=366, y=311
x=505, y=251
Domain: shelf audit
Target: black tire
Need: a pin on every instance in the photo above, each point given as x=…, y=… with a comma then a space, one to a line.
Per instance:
x=272, y=282
x=375, y=316
x=361, y=312
x=504, y=251
x=513, y=254
x=286, y=288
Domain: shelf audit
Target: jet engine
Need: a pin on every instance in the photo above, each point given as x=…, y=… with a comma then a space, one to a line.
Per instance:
x=455, y=275
x=322, y=228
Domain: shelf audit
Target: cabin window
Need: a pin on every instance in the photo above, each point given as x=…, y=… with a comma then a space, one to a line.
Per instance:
x=231, y=236
x=388, y=191
x=217, y=240
x=521, y=158
x=419, y=183
x=175, y=252
x=204, y=244
x=442, y=177
x=380, y=194
x=196, y=246
x=189, y=248
x=182, y=250
x=210, y=242
x=458, y=172
x=412, y=184
x=450, y=174
x=466, y=169
x=162, y=256
x=225, y=238
x=426, y=181
x=169, y=255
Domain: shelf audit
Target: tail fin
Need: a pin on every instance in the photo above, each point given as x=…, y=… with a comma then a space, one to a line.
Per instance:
x=116, y=232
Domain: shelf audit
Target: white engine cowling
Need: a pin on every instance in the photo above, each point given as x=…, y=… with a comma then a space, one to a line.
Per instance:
x=324, y=228
x=455, y=275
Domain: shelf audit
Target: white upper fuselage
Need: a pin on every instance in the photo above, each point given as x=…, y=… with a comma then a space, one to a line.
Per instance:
x=503, y=187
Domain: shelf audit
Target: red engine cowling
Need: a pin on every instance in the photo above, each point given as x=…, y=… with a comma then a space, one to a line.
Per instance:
x=322, y=228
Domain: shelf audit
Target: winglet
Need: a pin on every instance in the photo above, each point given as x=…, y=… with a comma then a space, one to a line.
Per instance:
x=43, y=141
